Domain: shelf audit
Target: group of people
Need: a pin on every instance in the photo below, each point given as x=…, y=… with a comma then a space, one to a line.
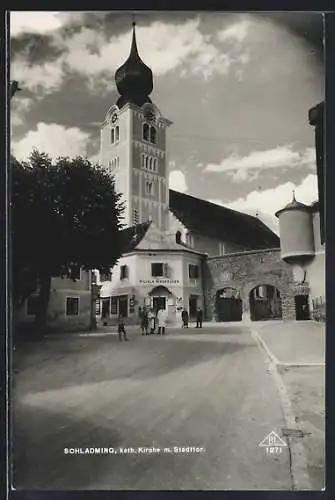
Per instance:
x=152, y=323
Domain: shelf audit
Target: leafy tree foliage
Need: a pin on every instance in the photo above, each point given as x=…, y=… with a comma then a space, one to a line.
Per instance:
x=64, y=213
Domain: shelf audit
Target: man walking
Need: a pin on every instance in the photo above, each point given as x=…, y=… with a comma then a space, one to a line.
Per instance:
x=121, y=328
x=199, y=317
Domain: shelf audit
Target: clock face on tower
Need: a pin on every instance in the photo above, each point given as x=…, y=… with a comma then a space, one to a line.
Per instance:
x=114, y=117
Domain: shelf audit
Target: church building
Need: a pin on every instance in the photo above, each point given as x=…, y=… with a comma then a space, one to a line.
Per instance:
x=176, y=240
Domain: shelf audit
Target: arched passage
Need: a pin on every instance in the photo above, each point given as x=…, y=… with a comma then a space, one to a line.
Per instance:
x=265, y=303
x=228, y=305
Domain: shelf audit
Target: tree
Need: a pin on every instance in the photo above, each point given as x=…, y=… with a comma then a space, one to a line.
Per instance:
x=65, y=213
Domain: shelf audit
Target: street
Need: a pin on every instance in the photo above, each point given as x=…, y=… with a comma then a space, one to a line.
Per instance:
x=209, y=389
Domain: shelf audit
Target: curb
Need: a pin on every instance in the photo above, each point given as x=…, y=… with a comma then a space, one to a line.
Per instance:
x=298, y=465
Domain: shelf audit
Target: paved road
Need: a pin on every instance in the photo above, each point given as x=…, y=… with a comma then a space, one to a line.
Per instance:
x=208, y=389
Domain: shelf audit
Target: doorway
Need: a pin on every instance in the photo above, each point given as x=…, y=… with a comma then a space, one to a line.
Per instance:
x=158, y=303
x=192, y=303
x=228, y=305
x=301, y=307
x=265, y=303
x=123, y=306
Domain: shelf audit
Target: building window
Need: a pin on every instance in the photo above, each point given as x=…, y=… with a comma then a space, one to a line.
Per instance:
x=157, y=269
x=148, y=187
x=193, y=271
x=75, y=273
x=150, y=163
x=117, y=133
x=153, y=135
x=135, y=216
x=72, y=306
x=146, y=162
x=32, y=305
x=145, y=131
x=142, y=160
x=155, y=164
x=112, y=136
x=178, y=237
x=123, y=272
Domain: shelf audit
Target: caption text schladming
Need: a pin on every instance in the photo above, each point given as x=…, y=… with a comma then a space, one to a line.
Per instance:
x=139, y=450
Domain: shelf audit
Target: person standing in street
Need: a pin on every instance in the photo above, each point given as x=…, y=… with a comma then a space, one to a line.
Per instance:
x=199, y=317
x=161, y=319
x=152, y=321
x=121, y=328
x=144, y=321
x=184, y=317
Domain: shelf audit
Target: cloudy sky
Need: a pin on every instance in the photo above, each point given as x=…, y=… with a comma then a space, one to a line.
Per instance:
x=237, y=87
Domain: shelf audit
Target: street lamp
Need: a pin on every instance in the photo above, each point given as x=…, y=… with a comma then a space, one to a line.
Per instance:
x=14, y=87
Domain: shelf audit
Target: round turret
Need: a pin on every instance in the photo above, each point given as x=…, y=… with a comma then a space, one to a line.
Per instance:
x=296, y=232
x=134, y=79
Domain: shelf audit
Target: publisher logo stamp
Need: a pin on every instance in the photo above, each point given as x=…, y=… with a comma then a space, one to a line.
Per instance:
x=273, y=444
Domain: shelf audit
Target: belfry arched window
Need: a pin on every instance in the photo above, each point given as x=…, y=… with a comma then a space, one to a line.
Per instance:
x=112, y=136
x=153, y=135
x=117, y=133
x=147, y=162
x=145, y=131
x=150, y=163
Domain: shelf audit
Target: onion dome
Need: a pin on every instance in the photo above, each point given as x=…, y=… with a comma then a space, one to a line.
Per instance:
x=293, y=205
x=134, y=79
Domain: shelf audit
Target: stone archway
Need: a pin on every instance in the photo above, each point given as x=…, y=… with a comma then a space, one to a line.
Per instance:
x=265, y=303
x=228, y=305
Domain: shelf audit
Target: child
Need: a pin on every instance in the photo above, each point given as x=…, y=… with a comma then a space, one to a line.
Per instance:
x=121, y=329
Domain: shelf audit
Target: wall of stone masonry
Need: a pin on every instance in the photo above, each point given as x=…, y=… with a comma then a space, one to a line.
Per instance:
x=244, y=271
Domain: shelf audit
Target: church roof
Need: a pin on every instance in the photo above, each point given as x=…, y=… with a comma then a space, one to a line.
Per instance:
x=220, y=222
x=147, y=236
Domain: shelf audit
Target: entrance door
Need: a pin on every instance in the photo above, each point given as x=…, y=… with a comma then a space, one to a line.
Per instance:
x=301, y=307
x=159, y=303
x=105, y=308
x=123, y=306
x=192, y=306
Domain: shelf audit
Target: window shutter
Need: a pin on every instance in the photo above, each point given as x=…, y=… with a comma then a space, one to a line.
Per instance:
x=166, y=270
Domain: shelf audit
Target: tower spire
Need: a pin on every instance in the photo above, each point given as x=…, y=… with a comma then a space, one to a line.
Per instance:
x=134, y=79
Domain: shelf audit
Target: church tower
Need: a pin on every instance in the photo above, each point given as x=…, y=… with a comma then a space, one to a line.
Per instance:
x=133, y=145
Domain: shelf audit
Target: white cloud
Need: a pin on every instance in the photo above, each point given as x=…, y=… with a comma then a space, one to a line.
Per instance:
x=185, y=42
x=33, y=22
x=241, y=168
x=43, y=79
x=162, y=46
x=264, y=204
x=53, y=139
x=236, y=32
x=177, y=181
x=271, y=200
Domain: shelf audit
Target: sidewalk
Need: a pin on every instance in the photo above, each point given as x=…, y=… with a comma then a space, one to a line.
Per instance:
x=293, y=343
x=297, y=351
